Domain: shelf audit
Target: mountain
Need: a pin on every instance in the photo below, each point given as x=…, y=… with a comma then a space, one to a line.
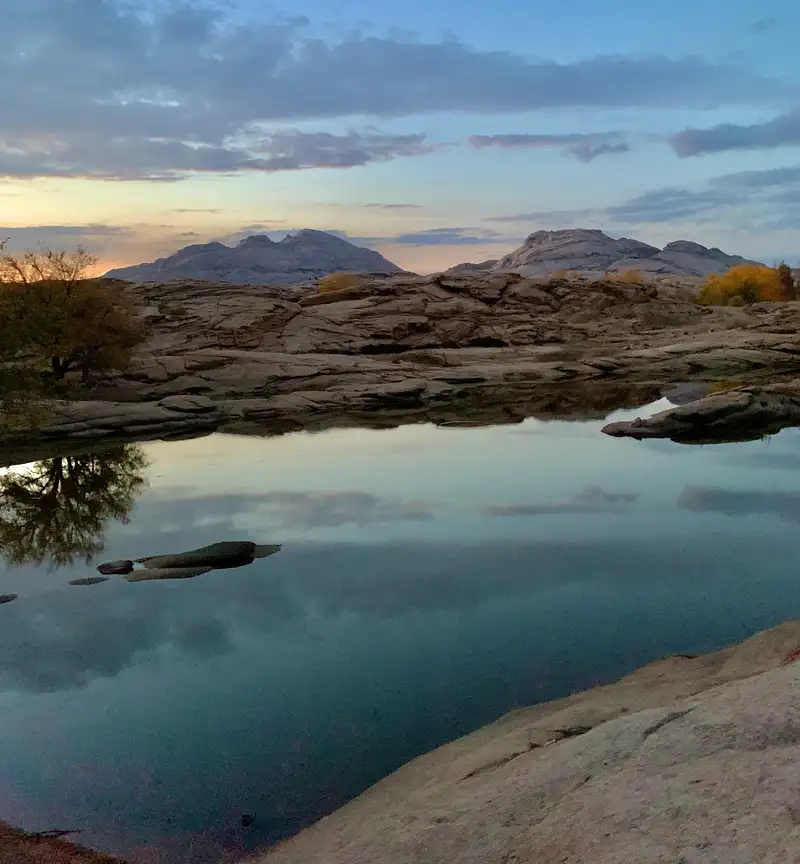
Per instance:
x=591, y=251
x=299, y=257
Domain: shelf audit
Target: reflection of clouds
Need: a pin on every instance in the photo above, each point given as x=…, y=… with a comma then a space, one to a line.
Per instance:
x=64, y=640
x=770, y=461
x=741, y=502
x=333, y=509
x=593, y=499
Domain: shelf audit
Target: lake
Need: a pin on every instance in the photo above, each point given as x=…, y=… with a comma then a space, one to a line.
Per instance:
x=429, y=580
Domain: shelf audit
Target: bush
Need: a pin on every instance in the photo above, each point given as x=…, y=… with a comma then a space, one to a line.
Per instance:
x=742, y=285
x=788, y=286
x=630, y=277
x=338, y=282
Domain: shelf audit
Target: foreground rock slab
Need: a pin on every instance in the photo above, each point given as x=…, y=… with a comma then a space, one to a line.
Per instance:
x=739, y=414
x=688, y=759
x=49, y=847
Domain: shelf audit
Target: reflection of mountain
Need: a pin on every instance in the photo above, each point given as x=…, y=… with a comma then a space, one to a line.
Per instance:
x=56, y=511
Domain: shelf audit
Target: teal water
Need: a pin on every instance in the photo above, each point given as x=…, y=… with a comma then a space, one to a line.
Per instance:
x=429, y=581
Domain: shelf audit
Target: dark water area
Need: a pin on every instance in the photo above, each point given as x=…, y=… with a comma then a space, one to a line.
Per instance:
x=429, y=580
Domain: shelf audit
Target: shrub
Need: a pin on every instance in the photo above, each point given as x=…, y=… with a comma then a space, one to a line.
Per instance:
x=630, y=276
x=742, y=285
x=338, y=282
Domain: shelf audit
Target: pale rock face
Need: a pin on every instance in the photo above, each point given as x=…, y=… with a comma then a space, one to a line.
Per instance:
x=591, y=251
x=300, y=257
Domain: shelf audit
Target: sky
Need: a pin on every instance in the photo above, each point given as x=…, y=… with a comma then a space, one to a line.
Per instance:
x=434, y=133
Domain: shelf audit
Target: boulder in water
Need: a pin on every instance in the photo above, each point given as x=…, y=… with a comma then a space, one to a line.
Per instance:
x=89, y=580
x=7, y=598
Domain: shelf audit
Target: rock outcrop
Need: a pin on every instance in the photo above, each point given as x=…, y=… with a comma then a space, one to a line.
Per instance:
x=493, y=347
x=737, y=414
x=300, y=257
x=582, y=250
x=689, y=759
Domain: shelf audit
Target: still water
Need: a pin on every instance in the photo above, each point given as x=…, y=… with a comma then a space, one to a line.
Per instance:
x=429, y=580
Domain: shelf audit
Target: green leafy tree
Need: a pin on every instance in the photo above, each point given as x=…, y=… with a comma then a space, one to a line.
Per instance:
x=56, y=511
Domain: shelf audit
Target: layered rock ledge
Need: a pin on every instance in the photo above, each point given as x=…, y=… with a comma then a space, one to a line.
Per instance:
x=480, y=347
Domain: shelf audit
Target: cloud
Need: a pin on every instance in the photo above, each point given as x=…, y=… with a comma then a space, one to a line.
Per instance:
x=112, y=93
x=140, y=158
x=767, y=198
x=741, y=502
x=762, y=25
x=583, y=147
x=447, y=237
x=781, y=131
x=593, y=499
x=394, y=206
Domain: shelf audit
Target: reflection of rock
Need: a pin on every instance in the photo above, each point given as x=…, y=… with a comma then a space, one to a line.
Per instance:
x=148, y=575
x=115, y=568
x=89, y=580
x=7, y=598
x=217, y=555
x=682, y=394
x=740, y=414
x=692, y=754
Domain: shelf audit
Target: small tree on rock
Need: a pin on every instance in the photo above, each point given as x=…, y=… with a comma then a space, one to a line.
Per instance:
x=67, y=319
x=788, y=287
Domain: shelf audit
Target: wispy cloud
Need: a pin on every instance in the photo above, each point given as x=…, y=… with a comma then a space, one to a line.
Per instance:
x=449, y=237
x=781, y=131
x=583, y=147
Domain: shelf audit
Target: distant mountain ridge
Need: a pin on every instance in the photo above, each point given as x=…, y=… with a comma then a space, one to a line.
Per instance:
x=300, y=257
x=586, y=250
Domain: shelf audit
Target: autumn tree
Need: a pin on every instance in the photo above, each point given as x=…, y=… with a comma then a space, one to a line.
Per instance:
x=64, y=317
x=56, y=511
x=743, y=285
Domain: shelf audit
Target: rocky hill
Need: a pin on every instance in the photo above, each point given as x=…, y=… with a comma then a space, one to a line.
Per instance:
x=298, y=258
x=582, y=250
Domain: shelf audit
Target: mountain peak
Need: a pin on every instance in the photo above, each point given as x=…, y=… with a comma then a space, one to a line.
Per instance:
x=300, y=257
x=589, y=250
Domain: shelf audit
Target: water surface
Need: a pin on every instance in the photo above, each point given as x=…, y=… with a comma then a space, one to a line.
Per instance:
x=430, y=580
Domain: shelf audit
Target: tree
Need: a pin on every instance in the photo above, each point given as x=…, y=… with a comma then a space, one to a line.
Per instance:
x=788, y=288
x=742, y=285
x=60, y=315
x=56, y=511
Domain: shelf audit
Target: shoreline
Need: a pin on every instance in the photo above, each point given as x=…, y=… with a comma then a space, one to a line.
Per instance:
x=536, y=785
x=445, y=348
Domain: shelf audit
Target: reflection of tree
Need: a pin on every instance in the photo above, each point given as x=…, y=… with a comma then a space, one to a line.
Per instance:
x=57, y=510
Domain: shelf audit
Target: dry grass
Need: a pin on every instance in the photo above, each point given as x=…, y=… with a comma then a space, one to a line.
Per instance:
x=338, y=282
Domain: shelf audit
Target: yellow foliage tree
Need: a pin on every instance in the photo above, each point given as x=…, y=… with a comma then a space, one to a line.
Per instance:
x=742, y=285
x=67, y=319
x=338, y=282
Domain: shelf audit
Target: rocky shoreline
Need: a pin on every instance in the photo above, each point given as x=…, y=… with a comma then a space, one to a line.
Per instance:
x=690, y=757
x=448, y=348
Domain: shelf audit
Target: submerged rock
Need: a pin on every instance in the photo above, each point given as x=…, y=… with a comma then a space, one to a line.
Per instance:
x=148, y=575
x=7, y=598
x=115, y=568
x=226, y=554
x=89, y=580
